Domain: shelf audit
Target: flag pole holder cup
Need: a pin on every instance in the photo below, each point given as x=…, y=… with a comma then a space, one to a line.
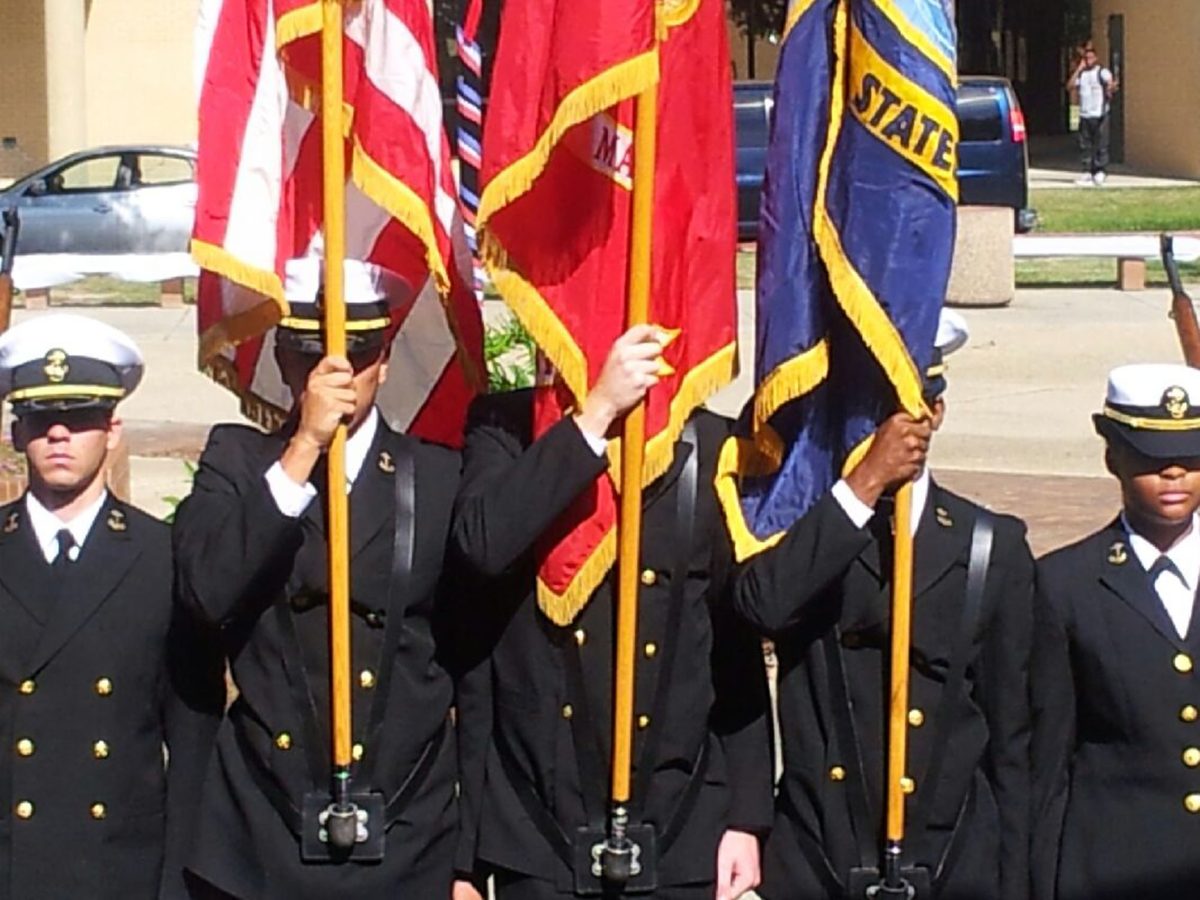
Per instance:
x=621, y=857
x=342, y=826
x=895, y=883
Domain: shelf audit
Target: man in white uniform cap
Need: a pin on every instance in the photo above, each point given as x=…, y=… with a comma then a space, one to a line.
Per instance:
x=99, y=670
x=253, y=559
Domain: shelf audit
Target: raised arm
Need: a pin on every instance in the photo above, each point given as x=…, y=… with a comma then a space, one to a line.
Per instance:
x=775, y=588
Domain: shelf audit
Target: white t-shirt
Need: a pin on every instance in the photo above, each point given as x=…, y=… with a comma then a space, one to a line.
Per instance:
x=1093, y=102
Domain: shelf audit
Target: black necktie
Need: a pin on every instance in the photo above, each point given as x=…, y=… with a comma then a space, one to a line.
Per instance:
x=65, y=544
x=1162, y=564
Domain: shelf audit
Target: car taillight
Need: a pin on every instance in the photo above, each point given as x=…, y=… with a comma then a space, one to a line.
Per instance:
x=1016, y=123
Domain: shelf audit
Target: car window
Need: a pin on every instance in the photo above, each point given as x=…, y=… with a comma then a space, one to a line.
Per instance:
x=98, y=173
x=750, y=119
x=158, y=169
x=978, y=115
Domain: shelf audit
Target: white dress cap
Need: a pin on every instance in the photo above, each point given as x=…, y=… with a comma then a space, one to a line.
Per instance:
x=50, y=334
x=363, y=282
x=952, y=332
x=1147, y=386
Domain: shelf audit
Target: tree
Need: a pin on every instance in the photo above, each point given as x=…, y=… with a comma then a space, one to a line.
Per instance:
x=757, y=19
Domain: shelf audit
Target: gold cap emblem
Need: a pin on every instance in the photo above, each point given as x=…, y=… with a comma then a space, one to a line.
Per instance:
x=1117, y=554
x=1176, y=402
x=116, y=521
x=56, y=367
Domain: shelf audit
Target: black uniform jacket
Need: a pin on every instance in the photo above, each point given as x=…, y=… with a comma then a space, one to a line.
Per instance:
x=1116, y=731
x=518, y=704
x=99, y=671
x=827, y=574
x=262, y=577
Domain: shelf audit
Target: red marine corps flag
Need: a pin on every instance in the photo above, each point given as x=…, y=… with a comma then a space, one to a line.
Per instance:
x=555, y=220
x=260, y=201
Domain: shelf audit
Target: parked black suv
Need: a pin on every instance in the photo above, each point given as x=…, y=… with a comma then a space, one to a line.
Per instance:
x=993, y=158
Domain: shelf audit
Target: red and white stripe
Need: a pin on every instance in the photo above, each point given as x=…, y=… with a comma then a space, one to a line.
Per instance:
x=260, y=201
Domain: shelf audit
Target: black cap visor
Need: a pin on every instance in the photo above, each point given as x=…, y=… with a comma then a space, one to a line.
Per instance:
x=1150, y=443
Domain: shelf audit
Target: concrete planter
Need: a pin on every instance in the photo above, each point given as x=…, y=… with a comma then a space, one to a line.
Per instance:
x=983, y=273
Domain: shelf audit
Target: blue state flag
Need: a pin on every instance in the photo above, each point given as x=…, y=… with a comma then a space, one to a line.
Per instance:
x=855, y=245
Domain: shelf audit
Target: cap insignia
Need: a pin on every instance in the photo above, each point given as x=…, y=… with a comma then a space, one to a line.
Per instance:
x=386, y=463
x=943, y=517
x=1117, y=554
x=116, y=521
x=56, y=367
x=1175, y=401
x=12, y=523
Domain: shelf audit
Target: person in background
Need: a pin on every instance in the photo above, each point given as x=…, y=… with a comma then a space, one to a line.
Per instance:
x=1094, y=85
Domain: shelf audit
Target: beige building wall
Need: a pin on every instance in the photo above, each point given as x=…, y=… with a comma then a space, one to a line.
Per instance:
x=766, y=56
x=1162, y=74
x=139, y=71
x=22, y=87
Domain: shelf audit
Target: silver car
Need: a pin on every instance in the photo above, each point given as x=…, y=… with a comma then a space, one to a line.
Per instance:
x=129, y=199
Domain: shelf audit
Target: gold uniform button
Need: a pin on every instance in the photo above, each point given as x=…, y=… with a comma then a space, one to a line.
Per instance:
x=283, y=741
x=1189, y=713
x=1191, y=803
x=567, y=711
x=1191, y=757
x=100, y=749
x=643, y=721
x=25, y=747
x=104, y=687
x=916, y=718
x=907, y=785
x=366, y=678
x=651, y=650
x=24, y=810
x=1182, y=663
x=649, y=577
x=357, y=752
x=837, y=773
x=580, y=636
x=28, y=686
x=99, y=811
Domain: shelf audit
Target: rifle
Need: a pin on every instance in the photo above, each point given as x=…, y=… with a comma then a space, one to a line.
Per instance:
x=8, y=249
x=1183, y=312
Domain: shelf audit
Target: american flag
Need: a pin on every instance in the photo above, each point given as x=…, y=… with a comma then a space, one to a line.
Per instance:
x=260, y=200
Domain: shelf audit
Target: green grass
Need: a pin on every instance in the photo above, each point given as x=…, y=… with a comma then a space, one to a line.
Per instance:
x=1083, y=272
x=1117, y=209
x=101, y=290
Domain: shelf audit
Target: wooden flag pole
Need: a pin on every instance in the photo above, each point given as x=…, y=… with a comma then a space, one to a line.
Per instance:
x=898, y=783
x=620, y=857
x=341, y=824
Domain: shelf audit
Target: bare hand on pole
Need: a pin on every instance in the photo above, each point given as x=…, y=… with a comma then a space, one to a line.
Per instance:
x=465, y=890
x=629, y=371
x=896, y=456
x=327, y=401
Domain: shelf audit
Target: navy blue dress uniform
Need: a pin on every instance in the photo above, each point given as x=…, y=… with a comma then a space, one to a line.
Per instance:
x=260, y=573
x=102, y=676
x=1116, y=681
x=535, y=704
x=824, y=594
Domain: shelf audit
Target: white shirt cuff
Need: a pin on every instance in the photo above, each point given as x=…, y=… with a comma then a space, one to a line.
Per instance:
x=290, y=498
x=857, y=511
x=599, y=445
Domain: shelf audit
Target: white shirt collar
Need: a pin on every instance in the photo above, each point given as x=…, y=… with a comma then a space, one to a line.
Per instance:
x=46, y=525
x=1185, y=555
x=359, y=443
